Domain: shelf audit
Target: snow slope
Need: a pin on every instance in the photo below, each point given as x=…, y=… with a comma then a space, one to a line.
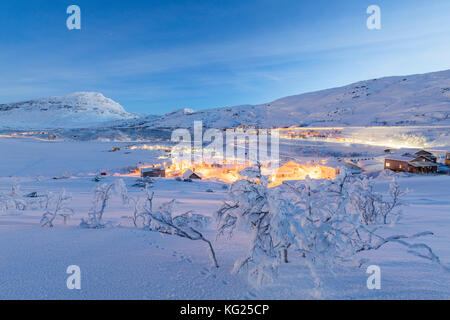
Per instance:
x=394, y=101
x=81, y=109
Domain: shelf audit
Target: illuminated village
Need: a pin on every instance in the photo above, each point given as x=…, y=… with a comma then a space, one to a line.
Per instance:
x=408, y=160
x=229, y=173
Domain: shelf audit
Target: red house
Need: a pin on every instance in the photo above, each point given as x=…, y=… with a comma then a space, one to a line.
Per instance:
x=420, y=162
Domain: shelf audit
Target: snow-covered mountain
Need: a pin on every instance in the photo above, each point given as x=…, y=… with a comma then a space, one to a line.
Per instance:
x=394, y=101
x=76, y=110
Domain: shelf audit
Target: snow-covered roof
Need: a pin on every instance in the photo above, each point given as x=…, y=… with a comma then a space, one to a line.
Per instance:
x=352, y=166
x=291, y=164
x=423, y=164
x=424, y=152
x=400, y=158
x=152, y=169
x=188, y=173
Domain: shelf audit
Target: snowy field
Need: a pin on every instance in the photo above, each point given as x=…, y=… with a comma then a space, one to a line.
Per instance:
x=123, y=262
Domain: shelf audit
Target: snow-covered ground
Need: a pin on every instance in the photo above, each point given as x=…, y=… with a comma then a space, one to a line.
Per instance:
x=123, y=262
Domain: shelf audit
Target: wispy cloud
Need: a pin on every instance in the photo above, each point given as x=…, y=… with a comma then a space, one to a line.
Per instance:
x=180, y=62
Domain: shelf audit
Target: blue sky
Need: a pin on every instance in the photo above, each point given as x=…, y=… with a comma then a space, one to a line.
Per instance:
x=157, y=56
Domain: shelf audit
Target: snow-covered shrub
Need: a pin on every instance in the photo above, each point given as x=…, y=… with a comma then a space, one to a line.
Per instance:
x=142, y=207
x=14, y=200
x=102, y=194
x=56, y=206
x=145, y=182
x=163, y=221
x=194, y=220
x=375, y=207
x=322, y=223
x=249, y=208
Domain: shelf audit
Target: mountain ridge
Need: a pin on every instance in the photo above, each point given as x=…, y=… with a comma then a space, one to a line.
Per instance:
x=421, y=99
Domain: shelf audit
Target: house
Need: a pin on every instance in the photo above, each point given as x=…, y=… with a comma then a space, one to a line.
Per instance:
x=428, y=155
x=289, y=169
x=351, y=167
x=189, y=174
x=447, y=159
x=411, y=164
x=340, y=165
x=153, y=172
x=294, y=171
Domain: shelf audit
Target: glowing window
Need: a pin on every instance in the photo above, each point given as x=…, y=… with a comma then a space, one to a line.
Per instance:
x=388, y=164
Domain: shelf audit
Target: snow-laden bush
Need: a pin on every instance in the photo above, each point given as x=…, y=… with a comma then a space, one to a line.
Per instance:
x=162, y=220
x=324, y=224
x=194, y=220
x=17, y=201
x=142, y=207
x=55, y=207
x=102, y=195
x=14, y=200
x=374, y=207
x=249, y=209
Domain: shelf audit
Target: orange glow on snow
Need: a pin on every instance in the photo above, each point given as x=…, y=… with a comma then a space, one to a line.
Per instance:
x=295, y=171
x=229, y=172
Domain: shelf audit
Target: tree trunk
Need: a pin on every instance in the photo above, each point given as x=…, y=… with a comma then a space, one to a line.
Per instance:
x=213, y=254
x=285, y=255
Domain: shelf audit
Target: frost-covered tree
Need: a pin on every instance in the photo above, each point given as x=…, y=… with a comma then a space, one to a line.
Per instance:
x=56, y=206
x=324, y=224
x=162, y=220
x=102, y=195
x=13, y=200
x=142, y=207
x=374, y=207
x=194, y=220
x=249, y=209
